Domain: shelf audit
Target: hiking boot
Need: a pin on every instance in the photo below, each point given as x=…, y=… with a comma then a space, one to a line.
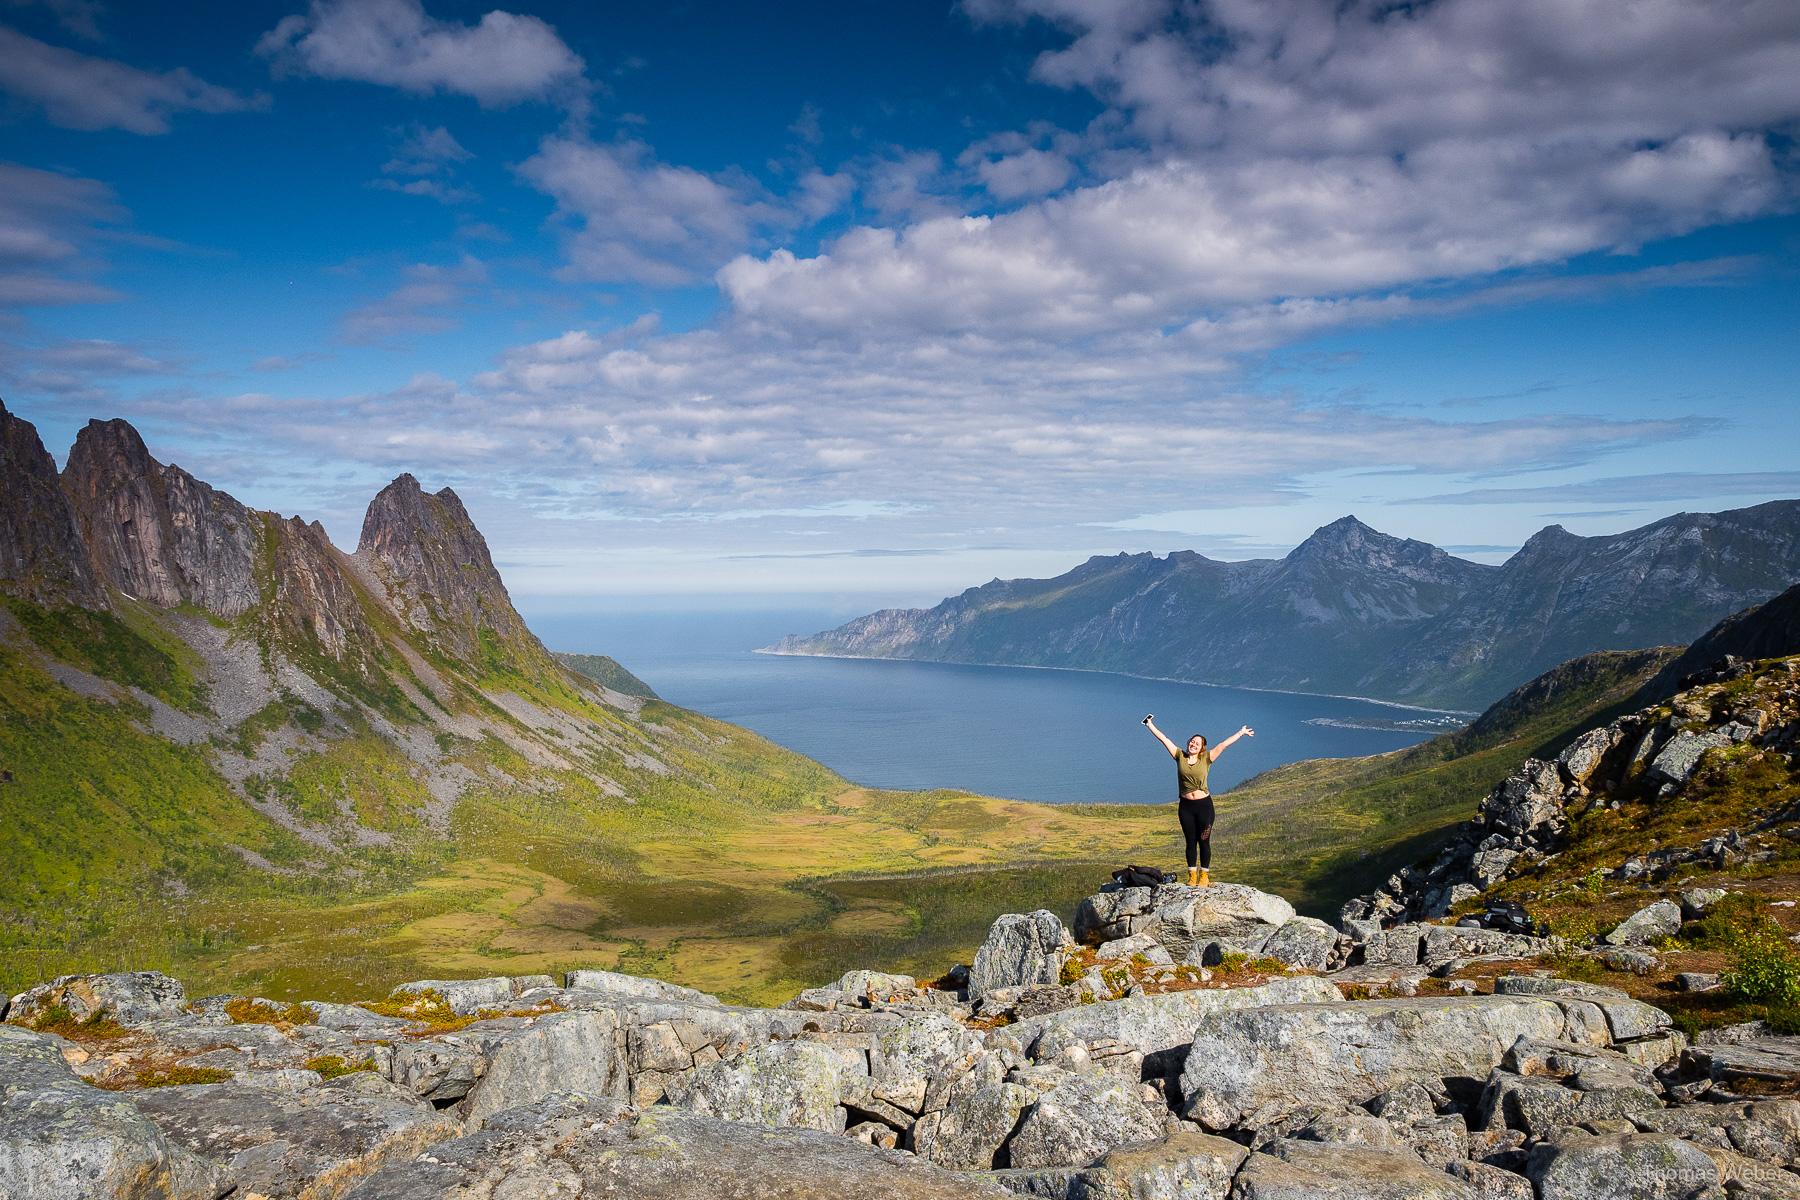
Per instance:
x=1205, y=879
x=1193, y=877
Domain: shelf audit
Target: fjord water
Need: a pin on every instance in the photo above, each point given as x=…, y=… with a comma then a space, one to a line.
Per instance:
x=1061, y=737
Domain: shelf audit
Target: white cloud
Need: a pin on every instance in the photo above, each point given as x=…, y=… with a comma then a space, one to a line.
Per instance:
x=80, y=91
x=424, y=164
x=46, y=221
x=78, y=370
x=426, y=302
x=502, y=59
x=633, y=218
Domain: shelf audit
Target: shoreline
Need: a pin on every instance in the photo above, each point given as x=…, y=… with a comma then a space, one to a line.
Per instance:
x=946, y=662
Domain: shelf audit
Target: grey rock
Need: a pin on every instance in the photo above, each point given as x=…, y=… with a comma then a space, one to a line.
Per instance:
x=61, y=1139
x=463, y=996
x=1696, y=981
x=42, y=557
x=1185, y=1165
x=1304, y=942
x=1768, y=1130
x=1754, y=1066
x=1160, y=1026
x=1021, y=949
x=878, y=984
x=1492, y=1183
x=1254, y=1067
x=1638, y=1166
x=1581, y=758
x=1695, y=901
x=1527, y=802
x=1290, y=1169
x=968, y=1133
x=1489, y=867
x=1111, y=914
x=612, y=983
x=1747, y=1178
x=510, y=1061
x=280, y=1144
x=1079, y=1120
x=1649, y=924
x=1441, y=944
x=1675, y=762
x=1136, y=944
x=130, y=998
x=1633, y=960
x=1353, y=1127
x=601, y=1152
x=789, y=1084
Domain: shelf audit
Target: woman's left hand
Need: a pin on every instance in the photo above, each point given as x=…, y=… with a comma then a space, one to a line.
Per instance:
x=1246, y=731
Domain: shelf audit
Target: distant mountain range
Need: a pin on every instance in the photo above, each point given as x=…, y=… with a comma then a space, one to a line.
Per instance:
x=1355, y=611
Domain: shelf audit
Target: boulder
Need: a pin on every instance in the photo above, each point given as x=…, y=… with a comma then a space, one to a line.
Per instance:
x=61, y=1139
x=463, y=996
x=1112, y=913
x=1290, y=1169
x=1676, y=761
x=1256, y=1066
x=972, y=1127
x=914, y=1062
x=531, y=1059
x=1442, y=944
x=877, y=984
x=1239, y=917
x=579, y=1148
x=612, y=983
x=1136, y=944
x=1635, y=1166
x=1158, y=1026
x=1021, y=949
x=1581, y=757
x=129, y=998
x=1695, y=901
x=1527, y=802
x=1607, y=1014
x=1488, y=867
x=1185, y=1165
x=1081, y=1119
x=1647, y=925
x=280, y=1144
x=1304, y=942
x=1754, y=1066
x=788, y=1084
x=1492, y=1183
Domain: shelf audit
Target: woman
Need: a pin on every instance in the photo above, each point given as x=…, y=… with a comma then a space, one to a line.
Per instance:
x=1195, y=805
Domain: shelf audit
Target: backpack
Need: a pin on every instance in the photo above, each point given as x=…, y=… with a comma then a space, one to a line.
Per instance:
x=1135, y=876
x=1507, y=916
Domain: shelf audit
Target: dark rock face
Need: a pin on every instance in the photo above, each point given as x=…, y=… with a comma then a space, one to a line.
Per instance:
x=439, y=575
x=41, y=556
x=1353, y=610
x=156, y=532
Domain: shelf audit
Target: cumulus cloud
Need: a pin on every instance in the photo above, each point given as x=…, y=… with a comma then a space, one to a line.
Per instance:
x=1307, y=149
x=632, y=218
x=46, y=222
x=424, y=164
x=425, y=302
x=80, y=91
x=79, y=369
x=504, y=58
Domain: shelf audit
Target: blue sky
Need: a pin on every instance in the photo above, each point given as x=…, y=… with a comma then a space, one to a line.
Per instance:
x=882, y=300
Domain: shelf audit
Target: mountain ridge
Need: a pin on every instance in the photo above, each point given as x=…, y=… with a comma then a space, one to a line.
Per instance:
x=1353, y=611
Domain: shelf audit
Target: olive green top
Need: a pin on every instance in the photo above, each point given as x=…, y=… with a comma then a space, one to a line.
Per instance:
x=1193, y=774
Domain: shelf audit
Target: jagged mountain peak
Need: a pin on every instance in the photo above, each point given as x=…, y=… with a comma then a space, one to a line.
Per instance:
x=41, y=556
x=437, y=569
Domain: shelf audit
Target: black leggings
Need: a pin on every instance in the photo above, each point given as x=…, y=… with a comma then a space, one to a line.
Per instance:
x=1196, y=828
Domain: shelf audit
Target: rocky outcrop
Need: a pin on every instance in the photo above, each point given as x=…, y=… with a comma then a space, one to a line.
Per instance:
x=439, y=575
x=1021, y=949
x=155, y=532
x=61, y=1139
x=1354, y=611
x=614, y=1086
x=1646, y=755
x=42, y=558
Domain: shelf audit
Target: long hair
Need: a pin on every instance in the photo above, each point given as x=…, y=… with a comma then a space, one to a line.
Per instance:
x=1202, y=738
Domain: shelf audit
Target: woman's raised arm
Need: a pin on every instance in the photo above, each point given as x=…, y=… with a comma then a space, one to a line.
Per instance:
x=1174, y=751
x=1213, y=754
